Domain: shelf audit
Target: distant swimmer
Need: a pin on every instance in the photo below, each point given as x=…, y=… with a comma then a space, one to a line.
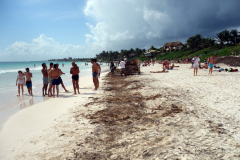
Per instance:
x=75, y=77
x=63, y=65
x=28, y=75
x=50, y=80
x=54, y=73
x=60, y=79
x=45, y=79
x=20, y=82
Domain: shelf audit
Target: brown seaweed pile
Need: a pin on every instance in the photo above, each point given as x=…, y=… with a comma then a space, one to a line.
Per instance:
x=126, y=113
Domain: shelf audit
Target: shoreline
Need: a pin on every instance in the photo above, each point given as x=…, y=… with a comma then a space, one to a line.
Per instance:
x=25, y=123
x=38, y=98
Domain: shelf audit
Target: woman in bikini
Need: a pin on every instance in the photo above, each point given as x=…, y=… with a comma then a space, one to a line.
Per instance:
x=20, y=82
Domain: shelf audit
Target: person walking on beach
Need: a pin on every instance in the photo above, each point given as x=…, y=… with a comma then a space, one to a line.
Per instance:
x=60, y=79
x=45, y=79
x=75, y=77
x=112, y=68
x=28, y=75
x=54, y=73
x=211, y=63
x=196, y=64
x=50, y=80
x=95, y=74
x=20, y=82
x=122, y=65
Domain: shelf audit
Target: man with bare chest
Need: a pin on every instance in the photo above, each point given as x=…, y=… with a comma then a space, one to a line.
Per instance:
x=75, y=77
x=60, y=79
x=211, y=62
x=45, y=79
x=50, y=80
x=28, y=75
x=54, y=73
x=95, y=70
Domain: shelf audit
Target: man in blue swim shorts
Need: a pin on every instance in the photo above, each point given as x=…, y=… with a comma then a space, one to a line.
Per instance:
x=54, y=73
x=95, y=74
x=28, y=75
x=211, y=61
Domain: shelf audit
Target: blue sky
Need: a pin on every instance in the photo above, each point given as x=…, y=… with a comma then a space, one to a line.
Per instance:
x=23, y=20
x=44, y=29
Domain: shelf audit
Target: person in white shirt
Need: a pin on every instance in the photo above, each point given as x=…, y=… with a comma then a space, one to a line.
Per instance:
x=196, y=64
x=122, y=65
x=125, y=58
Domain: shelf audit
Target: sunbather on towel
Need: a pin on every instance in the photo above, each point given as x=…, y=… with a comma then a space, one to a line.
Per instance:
x=163, y=71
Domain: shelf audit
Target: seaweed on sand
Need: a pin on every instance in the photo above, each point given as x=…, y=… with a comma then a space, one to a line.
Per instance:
x=124, y=114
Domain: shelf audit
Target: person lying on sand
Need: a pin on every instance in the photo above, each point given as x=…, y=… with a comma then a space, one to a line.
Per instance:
x=163, y=71
x=170, y=67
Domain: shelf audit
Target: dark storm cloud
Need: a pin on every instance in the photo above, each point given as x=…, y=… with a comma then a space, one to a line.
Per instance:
x=206, y=17
x=155, y=22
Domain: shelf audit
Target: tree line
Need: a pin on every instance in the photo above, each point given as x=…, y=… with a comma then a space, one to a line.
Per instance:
x=115, y=55
x=224, y=38
x=194, y=43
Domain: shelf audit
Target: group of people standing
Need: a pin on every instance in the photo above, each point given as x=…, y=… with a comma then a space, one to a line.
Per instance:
x=21, y=81
x=197, y=64
x=52, y=79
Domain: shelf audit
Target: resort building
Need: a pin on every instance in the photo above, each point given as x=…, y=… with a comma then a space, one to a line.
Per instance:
x=172, y=46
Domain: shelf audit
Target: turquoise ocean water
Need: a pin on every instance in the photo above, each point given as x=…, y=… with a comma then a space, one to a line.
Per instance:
x=10, y=103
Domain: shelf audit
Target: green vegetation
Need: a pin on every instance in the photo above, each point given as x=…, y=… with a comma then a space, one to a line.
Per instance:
x=222, y=45
x=204, y=53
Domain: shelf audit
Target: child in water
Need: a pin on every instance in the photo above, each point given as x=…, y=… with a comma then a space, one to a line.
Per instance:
x=20, y=82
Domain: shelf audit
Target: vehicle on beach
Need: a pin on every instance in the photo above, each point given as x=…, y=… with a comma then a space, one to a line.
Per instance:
x=132, y=67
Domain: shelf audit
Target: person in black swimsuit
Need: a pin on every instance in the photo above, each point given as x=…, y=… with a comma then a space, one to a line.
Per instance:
x=75, y=71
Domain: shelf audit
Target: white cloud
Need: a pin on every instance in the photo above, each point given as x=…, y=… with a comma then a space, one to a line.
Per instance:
x=43, y=46
x=125, y=24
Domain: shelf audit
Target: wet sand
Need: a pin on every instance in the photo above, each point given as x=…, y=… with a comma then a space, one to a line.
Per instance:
x=172, y=115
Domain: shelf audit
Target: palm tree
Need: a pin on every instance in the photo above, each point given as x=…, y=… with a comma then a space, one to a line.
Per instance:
x=194, y=41
x=223, y=37
x=234, y=34
x=152, y=48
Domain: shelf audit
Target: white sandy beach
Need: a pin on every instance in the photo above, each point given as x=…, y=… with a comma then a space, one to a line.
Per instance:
x=32, y=121
x=208, y=127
